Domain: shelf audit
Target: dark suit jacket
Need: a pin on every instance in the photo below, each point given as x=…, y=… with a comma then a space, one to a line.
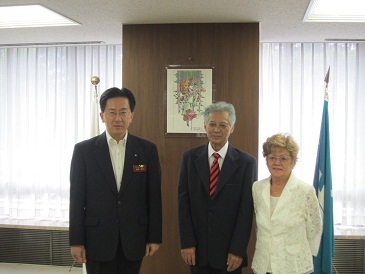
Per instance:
x=99, y=215
x=223, y=224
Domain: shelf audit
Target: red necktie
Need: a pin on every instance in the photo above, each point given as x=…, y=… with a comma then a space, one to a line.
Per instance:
x=214, y=173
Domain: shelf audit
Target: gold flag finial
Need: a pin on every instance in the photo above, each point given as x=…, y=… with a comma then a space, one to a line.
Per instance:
x=95, y=80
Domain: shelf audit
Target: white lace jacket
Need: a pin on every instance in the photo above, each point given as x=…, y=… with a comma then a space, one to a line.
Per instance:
x=292, y=234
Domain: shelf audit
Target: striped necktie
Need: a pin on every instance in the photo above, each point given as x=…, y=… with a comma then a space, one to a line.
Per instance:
x=214, y=173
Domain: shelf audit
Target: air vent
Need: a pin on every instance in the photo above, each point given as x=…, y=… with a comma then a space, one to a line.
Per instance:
x=35, y=246
x=349, y=256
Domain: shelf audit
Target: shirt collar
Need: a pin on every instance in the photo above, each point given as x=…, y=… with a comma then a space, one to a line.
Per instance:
x=111, y=140
x=222, y=152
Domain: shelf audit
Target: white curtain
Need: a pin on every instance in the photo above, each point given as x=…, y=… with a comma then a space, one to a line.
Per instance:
x=45, y=104
x=291, y=100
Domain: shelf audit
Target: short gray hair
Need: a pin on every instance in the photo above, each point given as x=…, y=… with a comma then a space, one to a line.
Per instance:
x=221, y=107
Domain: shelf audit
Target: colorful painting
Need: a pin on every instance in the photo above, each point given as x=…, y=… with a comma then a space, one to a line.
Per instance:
x=189, y=91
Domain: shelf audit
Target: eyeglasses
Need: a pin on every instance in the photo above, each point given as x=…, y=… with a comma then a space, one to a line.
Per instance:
x=113, y=114
x=282, y=159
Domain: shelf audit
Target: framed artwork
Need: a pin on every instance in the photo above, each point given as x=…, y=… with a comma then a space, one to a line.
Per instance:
x=188, y=92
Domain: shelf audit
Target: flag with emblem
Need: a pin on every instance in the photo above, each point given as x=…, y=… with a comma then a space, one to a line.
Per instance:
x=323, y=185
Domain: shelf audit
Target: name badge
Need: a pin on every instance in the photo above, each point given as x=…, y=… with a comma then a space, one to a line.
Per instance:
x=139, y=168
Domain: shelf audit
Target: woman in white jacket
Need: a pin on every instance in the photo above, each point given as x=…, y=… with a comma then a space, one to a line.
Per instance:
x=288, y=219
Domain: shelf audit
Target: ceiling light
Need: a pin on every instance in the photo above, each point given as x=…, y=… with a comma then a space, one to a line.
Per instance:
x=52, y=44
x=335, y=11
x=28, y=16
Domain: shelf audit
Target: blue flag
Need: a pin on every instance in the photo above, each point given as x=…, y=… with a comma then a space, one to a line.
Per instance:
x=323, y=185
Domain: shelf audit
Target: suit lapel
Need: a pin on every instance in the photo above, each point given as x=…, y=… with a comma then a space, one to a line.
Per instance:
x=286, y=194
x=202, y=166
x=132, y=156
x=265, y=194
x=103, y=158
x=228, y=169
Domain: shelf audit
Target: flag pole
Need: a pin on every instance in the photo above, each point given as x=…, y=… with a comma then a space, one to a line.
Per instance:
x=94, y=131
x=94, y=128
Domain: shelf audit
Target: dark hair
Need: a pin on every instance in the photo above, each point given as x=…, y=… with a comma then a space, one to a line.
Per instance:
x=116, y=92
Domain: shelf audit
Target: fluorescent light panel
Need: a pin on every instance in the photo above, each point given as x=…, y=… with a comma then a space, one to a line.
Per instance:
x=335, y=11
x=28, y=16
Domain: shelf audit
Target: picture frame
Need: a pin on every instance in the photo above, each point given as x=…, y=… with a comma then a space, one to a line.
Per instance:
x=189, y=90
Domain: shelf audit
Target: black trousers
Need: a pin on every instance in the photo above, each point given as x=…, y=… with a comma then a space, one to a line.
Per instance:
x=119, y=265
x=209, y=270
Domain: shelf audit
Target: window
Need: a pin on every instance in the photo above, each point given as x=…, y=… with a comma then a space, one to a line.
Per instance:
x=291, y=100
x=45, y=105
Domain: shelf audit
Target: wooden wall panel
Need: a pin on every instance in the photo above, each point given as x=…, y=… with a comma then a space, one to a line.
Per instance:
x=233, y=50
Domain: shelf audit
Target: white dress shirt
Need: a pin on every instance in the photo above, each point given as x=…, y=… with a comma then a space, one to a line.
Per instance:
x=222, y=153
x=117, y=154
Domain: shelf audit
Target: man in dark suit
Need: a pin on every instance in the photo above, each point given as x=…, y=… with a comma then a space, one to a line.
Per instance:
x=115, y=194
x=215, y=198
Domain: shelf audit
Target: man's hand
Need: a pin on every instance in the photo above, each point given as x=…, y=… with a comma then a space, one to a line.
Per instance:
x=151, y=249
x=78, y=253
x=188, y=255
x=233, y=262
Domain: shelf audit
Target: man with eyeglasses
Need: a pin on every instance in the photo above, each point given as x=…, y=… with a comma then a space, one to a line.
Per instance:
x=115, y=193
